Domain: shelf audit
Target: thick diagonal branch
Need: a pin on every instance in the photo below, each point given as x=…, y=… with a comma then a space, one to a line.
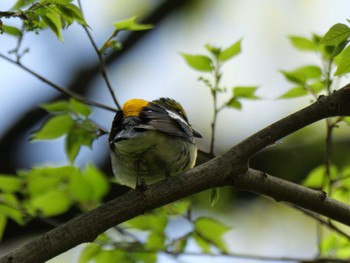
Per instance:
x=230, y=168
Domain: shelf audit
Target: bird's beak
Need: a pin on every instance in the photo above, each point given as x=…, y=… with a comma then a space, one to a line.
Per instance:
x=196, y=133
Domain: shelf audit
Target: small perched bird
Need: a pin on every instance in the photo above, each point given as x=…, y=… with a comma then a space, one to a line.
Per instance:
x=151, y=141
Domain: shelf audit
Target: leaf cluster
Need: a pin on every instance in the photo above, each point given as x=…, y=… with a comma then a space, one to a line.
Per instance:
x=334, y=51
x=124, y=244
x=69, y=119
x=129, y=24
x=38, y=15
x=49, y=191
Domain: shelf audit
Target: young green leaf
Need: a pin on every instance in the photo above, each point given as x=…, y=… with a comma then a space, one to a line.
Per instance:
x=202, y=243
x=303, y=74
x=70, y=13
x=89, y=252
x=156, y=221
x=111, y=255
x=198, y=62
x=97, y=181
x=295, y=92
x=144, y=257
x=344, y=62
x=231, y=51
x=11, y=208
x=303, y=43
x=214, y=50
x=214, y=196
x=234, y=103
x=245, y=92
x=212, y=230
x=21, y=3
x=54, y=127
x=315, y=178
x=79, y=189
x=53, y=20
x=347, y=120
x=335, y=35
x=50, y=203
x=156, y=241
x=57, y=107
x=80, y=108
x=11, y=30
x=82, y=134
x=317, y=86
x=10, y=183
x=3, y=221
x=132, y=25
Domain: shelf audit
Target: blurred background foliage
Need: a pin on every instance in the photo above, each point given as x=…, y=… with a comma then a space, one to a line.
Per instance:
x=150, y=66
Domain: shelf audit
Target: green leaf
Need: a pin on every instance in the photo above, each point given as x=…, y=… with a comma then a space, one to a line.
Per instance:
x=303, y=74
x=202, y=243
x=212, y=230
x=179, y=245
x=315, y=178
x=89, y=252
x=132, y=25
x=57, y=107
x=97, y=181
x=114, y=255
x=79, y=188
x=155, y=222
x=51, y=203
x=231, y=51
x=82, y=134
x=80, y=108
x=11, y=30
x=179, y=207
x=294, y=93
x=10, y=183
x=214, y=196
x=347, y=120
x=144, y=257
x=344, y=63
x=198, y=62
x=54, y=128
x=71, y=12
x=214, y=50
x=234, y=103
x=21, y=3
x=11, y=208
x=40, y=180
x=244, y=92
x=156, y=241
x=3, y=221
x=303, y=43
x=335, y=35
x=53, y=20
x=317, y=86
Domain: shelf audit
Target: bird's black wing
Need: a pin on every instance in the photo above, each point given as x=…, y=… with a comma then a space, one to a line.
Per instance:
x=155, y=117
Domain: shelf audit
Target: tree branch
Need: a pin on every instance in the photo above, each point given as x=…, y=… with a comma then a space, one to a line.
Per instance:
x=228, y=169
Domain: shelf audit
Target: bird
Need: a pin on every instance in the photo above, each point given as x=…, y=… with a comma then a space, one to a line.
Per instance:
x=151, y=141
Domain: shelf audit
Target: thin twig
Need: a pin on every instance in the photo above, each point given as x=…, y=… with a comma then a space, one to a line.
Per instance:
x=58, y=88
x=213, y=90
x=102, y=64
x=327, y=223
